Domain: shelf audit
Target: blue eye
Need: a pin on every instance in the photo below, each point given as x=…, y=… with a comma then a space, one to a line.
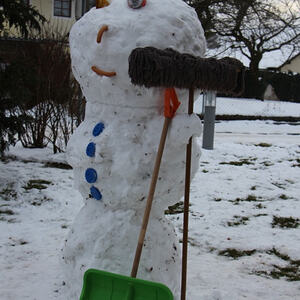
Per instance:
x=136, y=3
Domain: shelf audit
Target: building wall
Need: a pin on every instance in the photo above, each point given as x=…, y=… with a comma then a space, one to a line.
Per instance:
x=46, y=8
x=55, y=23
x=293, y=66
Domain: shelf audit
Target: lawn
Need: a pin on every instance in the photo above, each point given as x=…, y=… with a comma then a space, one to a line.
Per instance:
x=244, y=240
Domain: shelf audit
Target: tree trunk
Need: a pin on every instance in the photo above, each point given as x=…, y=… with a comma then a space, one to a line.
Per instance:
x=254, y=86
x=254, y=62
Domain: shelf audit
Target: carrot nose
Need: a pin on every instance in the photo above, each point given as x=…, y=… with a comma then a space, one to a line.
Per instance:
x=100, y=33
x=101, y=3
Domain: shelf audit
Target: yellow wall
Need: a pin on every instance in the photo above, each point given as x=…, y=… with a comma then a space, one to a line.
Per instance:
x=46, y=8
x=294, y=66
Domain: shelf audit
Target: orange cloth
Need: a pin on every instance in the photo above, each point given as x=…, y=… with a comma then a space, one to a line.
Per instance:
x=171, y=103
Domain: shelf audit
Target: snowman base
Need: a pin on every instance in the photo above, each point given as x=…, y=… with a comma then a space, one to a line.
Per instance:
x=111, y=236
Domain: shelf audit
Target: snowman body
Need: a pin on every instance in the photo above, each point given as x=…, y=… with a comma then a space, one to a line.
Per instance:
x=113, y=151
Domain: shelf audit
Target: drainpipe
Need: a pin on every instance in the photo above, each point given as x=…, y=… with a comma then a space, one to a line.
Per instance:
x=81, y=7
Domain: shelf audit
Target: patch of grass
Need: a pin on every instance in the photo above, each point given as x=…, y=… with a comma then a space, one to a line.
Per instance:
x=177, y=208
x=40, y=201
x=259, y=206
x=217, y=199
x=277, y=253
x=296, y=262
x=5, y=215
x=238, y=220
x=267, y=163
x=241, y=162
x=249, y=198
x=16, y=242
x=8, y=193
x=297, y=163
x=57, y=165
x=279, y=185
x=253, y=188
x=204, y=171
x=7, y=212
x=289, y=272
x=260, y=215
x=211, y=249
x=236, y=201
x=285, y=222
x=235, y=253
x=8, y=220
x=283, y=197
x=263, y=145
x=39, y=184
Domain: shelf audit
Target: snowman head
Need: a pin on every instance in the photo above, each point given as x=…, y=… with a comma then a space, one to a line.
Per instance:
x=102, y=40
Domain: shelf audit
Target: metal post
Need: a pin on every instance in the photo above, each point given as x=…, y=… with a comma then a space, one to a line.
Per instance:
x=209, y=99
x=203, y=107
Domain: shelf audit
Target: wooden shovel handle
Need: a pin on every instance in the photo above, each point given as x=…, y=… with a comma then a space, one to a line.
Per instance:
x=143, y=230
x=186, y=203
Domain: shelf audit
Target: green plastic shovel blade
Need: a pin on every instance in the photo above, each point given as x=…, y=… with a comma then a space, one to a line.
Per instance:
x=101, y=285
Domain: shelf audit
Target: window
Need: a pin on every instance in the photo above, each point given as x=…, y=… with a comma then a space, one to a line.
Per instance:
x=62, y=8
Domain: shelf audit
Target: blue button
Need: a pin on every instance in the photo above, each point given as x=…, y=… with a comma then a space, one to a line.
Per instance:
x=98, y=129
x=91, y=149
x=90, y=175
x=95, y=193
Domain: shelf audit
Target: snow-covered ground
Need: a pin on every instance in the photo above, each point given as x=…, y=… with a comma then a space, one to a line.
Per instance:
x=244, y=222
x=252, y=107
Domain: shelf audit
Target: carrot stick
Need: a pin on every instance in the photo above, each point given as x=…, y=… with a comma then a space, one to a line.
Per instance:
x=100, y=33
x=103, y=73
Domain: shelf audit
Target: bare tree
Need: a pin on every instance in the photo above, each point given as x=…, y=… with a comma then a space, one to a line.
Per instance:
x=256, y=27
x=205, y=10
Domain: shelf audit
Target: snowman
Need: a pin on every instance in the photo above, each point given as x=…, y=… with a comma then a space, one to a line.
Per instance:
x=113, y=151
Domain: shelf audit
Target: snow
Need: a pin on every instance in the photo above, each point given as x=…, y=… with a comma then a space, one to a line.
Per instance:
x=252, y=107
x=32, y=238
